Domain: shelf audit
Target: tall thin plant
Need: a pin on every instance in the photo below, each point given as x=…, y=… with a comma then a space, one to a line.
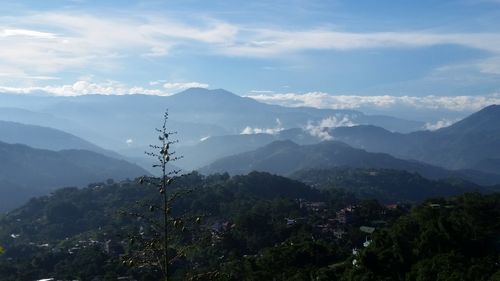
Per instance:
x=152, y=245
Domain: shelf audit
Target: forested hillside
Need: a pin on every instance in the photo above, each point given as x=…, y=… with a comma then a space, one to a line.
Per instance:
x=387, y=185
x=456, y=239
x=287, y=157
x=253, y=227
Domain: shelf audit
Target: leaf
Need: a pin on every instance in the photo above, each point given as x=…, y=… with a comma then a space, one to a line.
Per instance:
x=2, y=250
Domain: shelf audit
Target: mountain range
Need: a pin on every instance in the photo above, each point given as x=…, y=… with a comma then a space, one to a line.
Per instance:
x=287, y=157
x=216, y=147
x=58, y=141
x=110, y=121
x=46, y=138
x=26, y=172
x=472, y=143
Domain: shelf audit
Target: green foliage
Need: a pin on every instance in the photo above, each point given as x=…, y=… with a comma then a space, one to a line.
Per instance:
x=385, y=185
x=255, y=206
x=440, y=240
x=244, y=234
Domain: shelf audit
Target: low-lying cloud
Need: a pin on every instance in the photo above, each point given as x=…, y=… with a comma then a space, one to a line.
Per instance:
x=270, y=131
x=325, y=100
x=432, y=126
x=87, y=87
x=183, y=86
x=321, y=129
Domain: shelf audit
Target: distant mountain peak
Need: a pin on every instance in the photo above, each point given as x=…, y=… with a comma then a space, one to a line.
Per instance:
x=495, y=107
x=491, y=111
x=205, y=91
x=485, y=119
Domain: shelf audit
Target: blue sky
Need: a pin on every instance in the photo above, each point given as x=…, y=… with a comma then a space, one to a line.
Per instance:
x=275, y=51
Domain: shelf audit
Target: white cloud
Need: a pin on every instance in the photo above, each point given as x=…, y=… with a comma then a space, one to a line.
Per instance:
x=270, y=131
x=157, y=52
x=27, y=33
x=85, y=87
x=321, y=129
x=261, y=92
x=432, y=126
x=324, y=100
x=250, y=130
x=64, y=40
x=268, y=42
x=175, y=87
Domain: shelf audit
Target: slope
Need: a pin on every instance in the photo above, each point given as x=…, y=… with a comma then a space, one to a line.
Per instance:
x=470, y=143
x=26, y=172
x=286, y=157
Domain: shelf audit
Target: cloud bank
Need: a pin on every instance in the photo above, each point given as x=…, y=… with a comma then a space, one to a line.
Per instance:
x=86, y=87
x=325, y=100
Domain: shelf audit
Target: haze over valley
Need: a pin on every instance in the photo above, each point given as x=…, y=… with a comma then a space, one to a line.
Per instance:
x=249, y=140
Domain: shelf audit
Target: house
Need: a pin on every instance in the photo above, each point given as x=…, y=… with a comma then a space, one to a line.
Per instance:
x=346, y=215
x=312, y=206
x=367, y=229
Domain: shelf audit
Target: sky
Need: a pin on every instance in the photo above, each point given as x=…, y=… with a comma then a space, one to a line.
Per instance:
x=329, y=54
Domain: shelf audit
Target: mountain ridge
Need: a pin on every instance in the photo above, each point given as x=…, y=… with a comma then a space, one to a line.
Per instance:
x=286, y=157
x=37, y=171
x=463, y=145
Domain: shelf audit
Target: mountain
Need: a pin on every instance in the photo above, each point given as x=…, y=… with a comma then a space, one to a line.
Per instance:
x=488, y=165
x=471, y=143
x=48, y=119
x=287, y=157
x=46, y=138
x=213, y=148
x=128, y=121
x=26, y=172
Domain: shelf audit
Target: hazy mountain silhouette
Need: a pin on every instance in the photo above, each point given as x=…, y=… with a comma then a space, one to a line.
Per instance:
x=470, y=143
x=194, y=113
x=213, y=148
x=26, y=172
x=287, y=157
x=46, y=138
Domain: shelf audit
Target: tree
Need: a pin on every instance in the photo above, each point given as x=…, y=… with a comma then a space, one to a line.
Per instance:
x=152, y=244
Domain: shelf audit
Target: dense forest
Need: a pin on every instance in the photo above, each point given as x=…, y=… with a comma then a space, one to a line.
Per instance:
x=255, y=227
